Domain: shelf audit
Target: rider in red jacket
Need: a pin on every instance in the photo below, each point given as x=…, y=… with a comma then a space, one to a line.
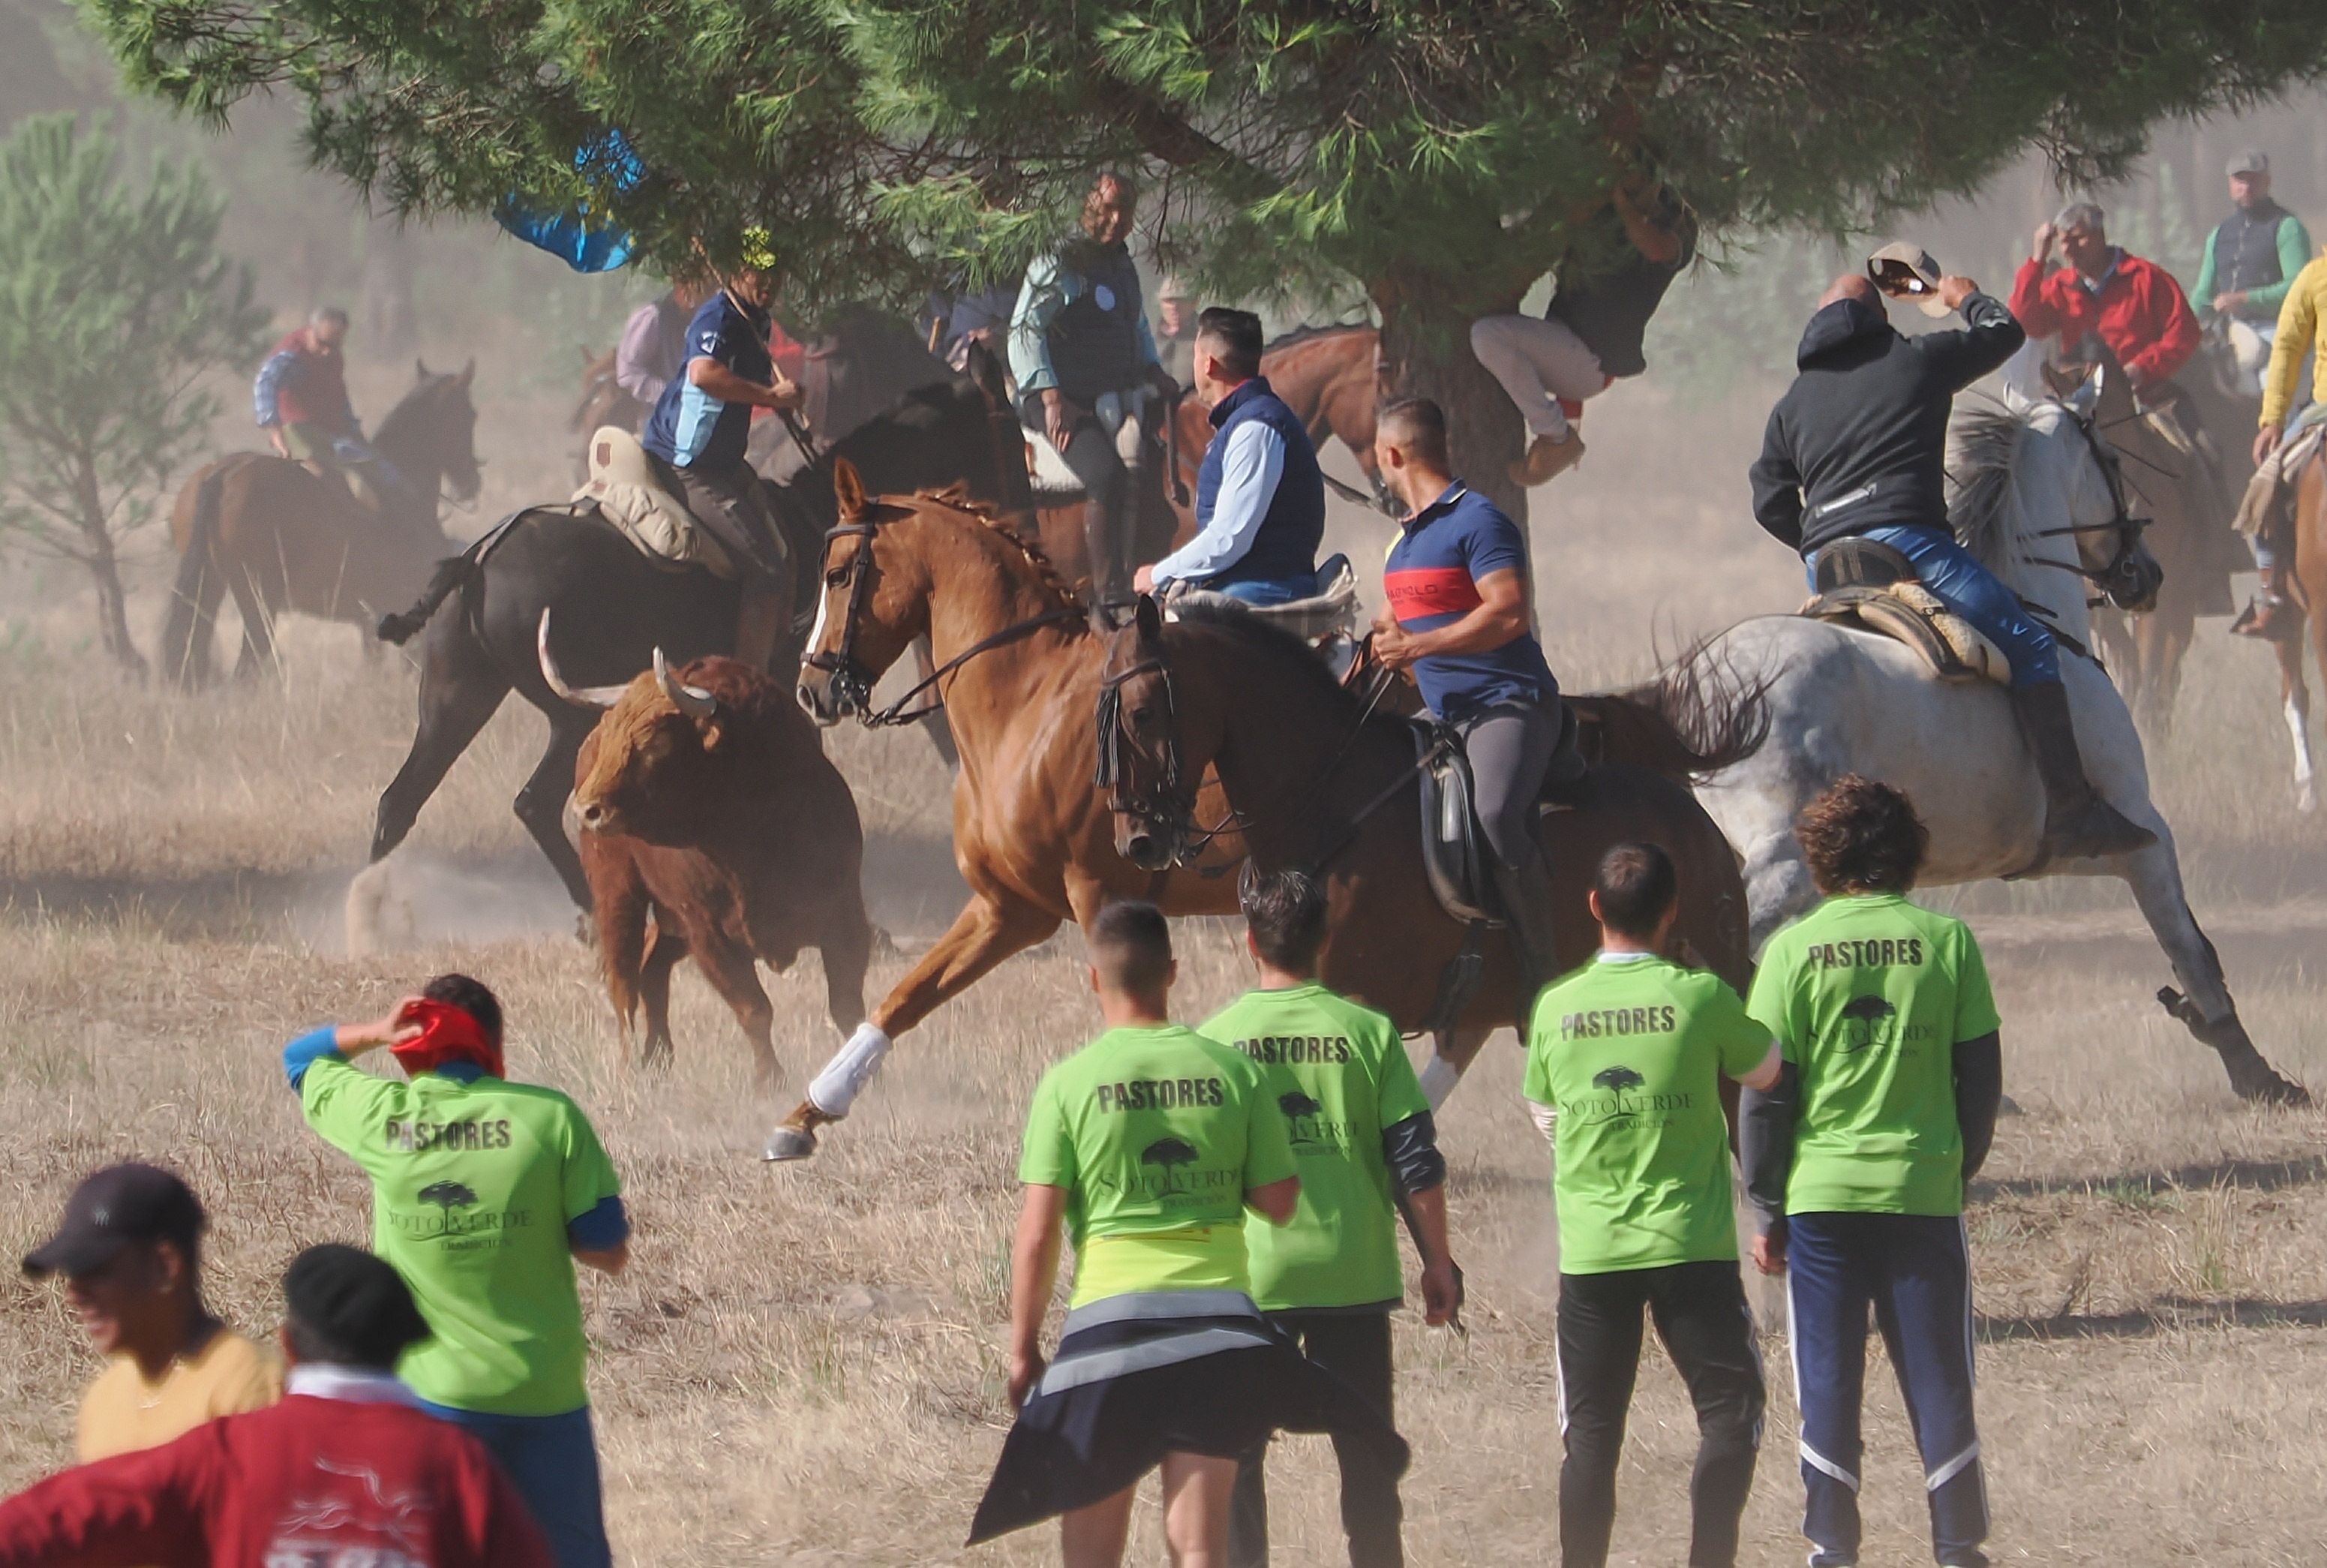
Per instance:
x=346, y=1471
x=2133, y=305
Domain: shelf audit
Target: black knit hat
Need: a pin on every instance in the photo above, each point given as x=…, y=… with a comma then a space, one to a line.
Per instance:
x=356, y=1304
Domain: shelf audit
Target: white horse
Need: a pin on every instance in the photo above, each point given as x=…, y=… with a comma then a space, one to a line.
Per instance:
x=2038, y=499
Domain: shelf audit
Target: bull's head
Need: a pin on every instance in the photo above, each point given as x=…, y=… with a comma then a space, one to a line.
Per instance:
x=641, y=772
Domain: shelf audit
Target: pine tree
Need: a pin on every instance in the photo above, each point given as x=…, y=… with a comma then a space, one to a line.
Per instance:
x=114, y=305
x=1435, y=156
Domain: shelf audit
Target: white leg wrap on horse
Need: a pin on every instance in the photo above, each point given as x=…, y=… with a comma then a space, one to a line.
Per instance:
x=1439, y=1078
x=835, y=1089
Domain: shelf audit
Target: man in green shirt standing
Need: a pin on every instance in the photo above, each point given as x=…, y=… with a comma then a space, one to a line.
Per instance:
x=1857, y=1161
x=1623, y=1068
x=1146, y=1148
x=1364, y=1142
x=484, y=1195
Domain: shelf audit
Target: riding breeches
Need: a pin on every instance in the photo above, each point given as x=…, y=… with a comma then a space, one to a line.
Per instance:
x=1542, y=365
x=1957, y=580
x=1509, y=746
x=731, y=504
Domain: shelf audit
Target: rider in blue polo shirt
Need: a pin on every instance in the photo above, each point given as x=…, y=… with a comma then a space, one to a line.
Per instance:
x=1260, y=496
x=700, y=427
x=1458, y=590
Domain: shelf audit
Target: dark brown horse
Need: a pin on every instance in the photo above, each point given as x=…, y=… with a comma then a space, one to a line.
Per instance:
x=1020, y=675
x=1320, y=780
x=279, y=536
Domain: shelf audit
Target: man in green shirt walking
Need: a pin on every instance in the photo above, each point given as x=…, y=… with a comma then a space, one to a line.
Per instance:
x=1146, y=1148
x=1857, y=1161
x=1624, y=1060
x=484, y=1195
x=1364, y=1142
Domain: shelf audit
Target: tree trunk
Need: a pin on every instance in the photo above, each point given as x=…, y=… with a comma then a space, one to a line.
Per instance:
x=105, y=570
x=1426, y=348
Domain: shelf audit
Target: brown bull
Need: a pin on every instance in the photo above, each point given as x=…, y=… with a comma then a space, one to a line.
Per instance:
x=713, y=825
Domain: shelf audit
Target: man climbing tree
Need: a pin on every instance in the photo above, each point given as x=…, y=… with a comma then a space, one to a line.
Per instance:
x=1437, y=159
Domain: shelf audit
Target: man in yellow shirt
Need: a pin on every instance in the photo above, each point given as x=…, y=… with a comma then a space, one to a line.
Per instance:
x=130, y=1251
x=2264, y=515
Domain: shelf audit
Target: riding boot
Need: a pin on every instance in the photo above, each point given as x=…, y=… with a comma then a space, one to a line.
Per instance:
x=1527, y=896
x=2079, y=825
x=1110, y=583
x=2267, y=615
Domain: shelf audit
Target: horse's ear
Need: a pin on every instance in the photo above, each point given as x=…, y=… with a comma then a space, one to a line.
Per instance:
x=1149, y=619
x=469, y=371
x=2087, y=396
x=847, y=489
x=421, y=368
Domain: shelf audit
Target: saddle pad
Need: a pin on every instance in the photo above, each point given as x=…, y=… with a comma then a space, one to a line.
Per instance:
x=1332, y=612
x=1907, y=613
x=623, y=483
x=1047, y=473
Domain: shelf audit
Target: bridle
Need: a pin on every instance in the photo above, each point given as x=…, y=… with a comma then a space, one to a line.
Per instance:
x=852, y=683
x=1165, y=808
x=2124, y=582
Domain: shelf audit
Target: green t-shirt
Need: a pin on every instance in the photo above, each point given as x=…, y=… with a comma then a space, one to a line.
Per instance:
x=472, y=1187
x=1157, y=1134
x=1629, y=1053
x=1337, y=1071
x=1869, y=995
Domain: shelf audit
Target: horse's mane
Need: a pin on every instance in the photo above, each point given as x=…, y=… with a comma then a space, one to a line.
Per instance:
x=956, y=497
x=1981, y=445
x=1300, y=335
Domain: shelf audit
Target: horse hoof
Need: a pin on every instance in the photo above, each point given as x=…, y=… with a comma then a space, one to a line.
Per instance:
x=786, y=1143
x=2268, y=1088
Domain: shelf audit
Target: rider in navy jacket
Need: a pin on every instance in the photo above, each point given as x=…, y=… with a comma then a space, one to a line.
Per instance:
x=1260, y=497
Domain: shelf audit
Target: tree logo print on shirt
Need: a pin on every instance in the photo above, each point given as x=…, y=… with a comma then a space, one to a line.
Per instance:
x=1168, y=1153
x=1298, y=1108
x=1617, y=1079
x=447, y=1196
x=1866, y=1021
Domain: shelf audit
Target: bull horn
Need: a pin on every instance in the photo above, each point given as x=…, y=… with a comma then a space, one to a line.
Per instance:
x=604, y=696
x=693, y=701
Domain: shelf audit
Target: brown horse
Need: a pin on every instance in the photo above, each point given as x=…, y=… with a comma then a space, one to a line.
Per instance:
x=279, y=536
x=1320, y=780
x=1020, y=674
x=2182, y=495
x=2309, y=602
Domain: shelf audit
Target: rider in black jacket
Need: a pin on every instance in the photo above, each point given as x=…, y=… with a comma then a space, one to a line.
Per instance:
x=1856, y=448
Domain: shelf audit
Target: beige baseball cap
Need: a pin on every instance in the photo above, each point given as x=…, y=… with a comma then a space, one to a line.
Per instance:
x=2248, y=161
x=1906, y=271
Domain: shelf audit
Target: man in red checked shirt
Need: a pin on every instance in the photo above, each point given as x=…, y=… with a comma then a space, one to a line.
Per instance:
x=2134, y=306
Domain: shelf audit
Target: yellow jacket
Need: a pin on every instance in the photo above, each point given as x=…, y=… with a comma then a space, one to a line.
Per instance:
x=2301, y=326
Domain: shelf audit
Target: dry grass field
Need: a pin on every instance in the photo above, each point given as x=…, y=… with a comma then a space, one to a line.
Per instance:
x=803, y=1364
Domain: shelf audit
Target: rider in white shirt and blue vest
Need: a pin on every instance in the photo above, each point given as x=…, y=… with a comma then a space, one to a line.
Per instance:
x=1260, y=496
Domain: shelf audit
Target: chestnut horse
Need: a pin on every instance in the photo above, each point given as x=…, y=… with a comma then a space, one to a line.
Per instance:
x=1321, y=780
x=1019, y=670
x=2310, y=605
x=279, y=536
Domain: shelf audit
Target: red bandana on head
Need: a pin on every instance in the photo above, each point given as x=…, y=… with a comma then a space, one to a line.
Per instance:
x=447, y=1035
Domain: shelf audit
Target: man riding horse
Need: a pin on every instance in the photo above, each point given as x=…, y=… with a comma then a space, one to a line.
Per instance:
x=1457, y=584
x=1854, y=452
x=1260, y=496
x=2266, y=514
x=299, y=399
x=1085, y=366
x=701, y=427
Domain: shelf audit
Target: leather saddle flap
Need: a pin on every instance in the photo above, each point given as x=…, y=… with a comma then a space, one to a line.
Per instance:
x=1907, y=611
x=1454, y=848
x=623, y=483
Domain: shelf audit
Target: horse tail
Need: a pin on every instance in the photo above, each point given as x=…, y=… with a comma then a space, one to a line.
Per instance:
x=451, y=576
x=1698, y=714
x=178, y=630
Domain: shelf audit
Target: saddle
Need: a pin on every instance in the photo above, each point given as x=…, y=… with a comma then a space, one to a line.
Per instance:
x=1047, y=473
x=1869, y=586
x=1453, y=844
x=1328, y=615
x=628, y=494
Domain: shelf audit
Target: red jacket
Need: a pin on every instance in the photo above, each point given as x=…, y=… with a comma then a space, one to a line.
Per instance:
x=2140, y=313
x=322, y=1483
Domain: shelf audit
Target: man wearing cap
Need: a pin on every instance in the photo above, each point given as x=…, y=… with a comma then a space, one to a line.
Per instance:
x=2134, y=306
x=2253, y=254
x=347, y=1469
x=484, y=1195
x=700, y=428
x=1855, y=449
x=1175, y=332
x=129, y=1249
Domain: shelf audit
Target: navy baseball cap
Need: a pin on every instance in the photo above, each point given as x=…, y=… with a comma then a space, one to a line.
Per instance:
x=120, y=1206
